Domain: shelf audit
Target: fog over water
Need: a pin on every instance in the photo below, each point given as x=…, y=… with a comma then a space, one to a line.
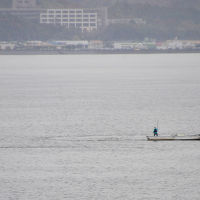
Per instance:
x=75, y=126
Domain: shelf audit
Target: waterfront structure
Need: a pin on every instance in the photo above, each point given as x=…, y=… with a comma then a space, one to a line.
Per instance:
x=18, y=4
x=129, y=45
x=85, y=19
x=123, y=45
x=95, y=44
x=70, y=44
x=7, y=46
x=177, y=44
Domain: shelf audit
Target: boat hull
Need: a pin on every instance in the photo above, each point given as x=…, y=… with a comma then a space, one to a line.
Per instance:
x=164, y=138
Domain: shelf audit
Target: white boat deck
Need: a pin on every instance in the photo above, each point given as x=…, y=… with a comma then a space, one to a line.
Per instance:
x=175, y=137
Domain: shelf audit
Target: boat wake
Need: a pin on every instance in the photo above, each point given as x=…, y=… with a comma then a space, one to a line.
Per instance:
x=55, y=142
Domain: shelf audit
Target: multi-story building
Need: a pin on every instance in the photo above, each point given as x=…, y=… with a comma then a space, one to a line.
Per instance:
x=85, y=19
x=23, y=4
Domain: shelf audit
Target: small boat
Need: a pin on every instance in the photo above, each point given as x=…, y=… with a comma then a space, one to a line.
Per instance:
x=174, y=137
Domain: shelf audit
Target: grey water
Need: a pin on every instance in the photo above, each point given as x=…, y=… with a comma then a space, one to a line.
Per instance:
x=75, y=127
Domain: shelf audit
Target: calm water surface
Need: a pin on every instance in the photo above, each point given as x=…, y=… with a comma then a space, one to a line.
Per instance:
x=74, y=127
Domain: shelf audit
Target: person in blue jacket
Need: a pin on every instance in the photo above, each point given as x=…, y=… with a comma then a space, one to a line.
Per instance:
x=155, y=131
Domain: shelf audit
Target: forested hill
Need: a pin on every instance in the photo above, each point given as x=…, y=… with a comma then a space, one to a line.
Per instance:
x=188, y=4
x=195, y=4
x=165, y=19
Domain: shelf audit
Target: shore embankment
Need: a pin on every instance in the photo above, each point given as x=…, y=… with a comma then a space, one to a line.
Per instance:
x=95, y=51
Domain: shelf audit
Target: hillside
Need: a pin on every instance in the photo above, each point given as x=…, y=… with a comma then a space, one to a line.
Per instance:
x=5, y=3
x=165, y=19
x=99, y=3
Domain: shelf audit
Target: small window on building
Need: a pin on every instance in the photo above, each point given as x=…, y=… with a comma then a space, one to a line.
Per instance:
x=78, y=11
x=92, y=15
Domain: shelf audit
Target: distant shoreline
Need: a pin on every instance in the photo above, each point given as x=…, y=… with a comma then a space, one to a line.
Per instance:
x=77, y=52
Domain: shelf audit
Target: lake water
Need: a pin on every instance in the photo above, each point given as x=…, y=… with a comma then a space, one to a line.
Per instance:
x=74, y=127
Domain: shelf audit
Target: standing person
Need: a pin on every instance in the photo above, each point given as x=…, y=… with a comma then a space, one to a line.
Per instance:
x=155, y=131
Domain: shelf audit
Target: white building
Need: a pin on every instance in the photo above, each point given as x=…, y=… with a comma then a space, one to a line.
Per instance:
x=7, y=46
x=123, y=45
x=95, y=44
x=85, y=19
x=176, y=44
x=129, y=45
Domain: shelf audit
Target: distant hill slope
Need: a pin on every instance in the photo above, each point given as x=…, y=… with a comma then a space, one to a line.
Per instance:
x=5, y=3
x=165, y=19
x=108, y=3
